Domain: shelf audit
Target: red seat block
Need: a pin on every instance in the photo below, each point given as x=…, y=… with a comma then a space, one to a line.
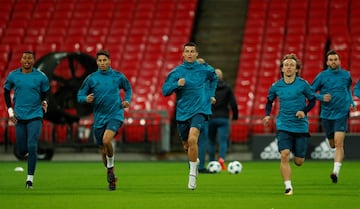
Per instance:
x=239, y=132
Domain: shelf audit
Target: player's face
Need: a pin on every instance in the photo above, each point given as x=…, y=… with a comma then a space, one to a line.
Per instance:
x=103, y=62
x=27, y=61
x=289, y=68
x=333, y=61
x=190, y=54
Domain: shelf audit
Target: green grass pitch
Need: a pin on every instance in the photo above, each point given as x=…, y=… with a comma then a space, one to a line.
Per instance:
x=163, y=185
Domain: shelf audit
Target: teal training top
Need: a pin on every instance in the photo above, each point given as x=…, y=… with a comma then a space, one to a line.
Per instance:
x=338, y=84
x=28, y=88
x=292, y=98
x=106, y=86
x=194, y=97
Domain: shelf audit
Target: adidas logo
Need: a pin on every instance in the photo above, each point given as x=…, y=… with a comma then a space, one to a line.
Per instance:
x=323, y=151
x=271, y=151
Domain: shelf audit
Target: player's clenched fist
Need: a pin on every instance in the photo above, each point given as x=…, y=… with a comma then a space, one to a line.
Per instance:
x=181, y=82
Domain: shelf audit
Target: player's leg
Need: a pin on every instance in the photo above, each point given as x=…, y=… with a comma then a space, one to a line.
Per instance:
x=331, y=142
x=212, y=139
x=193, y=156
x=193, y=146
x=189, y=141
x=340, y=128
x=109, y=150
x=202, y=147
x=108, y=147
x=285, y=144
x=21, y=140
x=223, y=135
x=183, y=128
x=328, y=126
x=300, y=148
x=33, y=134
x=103, y=155
x=108, y=137
x=339, y=155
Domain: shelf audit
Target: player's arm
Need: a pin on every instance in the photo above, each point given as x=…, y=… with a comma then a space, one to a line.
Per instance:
x=83, y=92
x=44, y=100
x=11, y=112
x=128, y=92
x=352, y=103
x=172, y=83
x=268, y=107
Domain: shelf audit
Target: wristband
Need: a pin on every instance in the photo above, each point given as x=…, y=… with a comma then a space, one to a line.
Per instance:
x=11, y=112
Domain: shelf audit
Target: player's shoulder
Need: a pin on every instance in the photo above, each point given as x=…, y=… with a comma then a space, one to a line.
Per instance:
x=300, y=79
x=117, y=72
x=277, y=83
x=15, y=71
x=176, y=69
x=39, y=72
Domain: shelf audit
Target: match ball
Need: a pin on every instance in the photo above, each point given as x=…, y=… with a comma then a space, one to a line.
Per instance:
x=214, y=167
x=235, y=167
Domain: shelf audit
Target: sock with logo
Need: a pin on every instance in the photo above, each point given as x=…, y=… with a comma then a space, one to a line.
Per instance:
x=288, y=184
x=193, y=168
x=110, y=161
x=337, y=167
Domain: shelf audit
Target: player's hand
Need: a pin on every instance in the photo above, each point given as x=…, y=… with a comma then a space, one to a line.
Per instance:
x=44, y=105
x=125, y=104
x=213, y=100
x=266, y=120
x=181, y=82
x=90, y=98
x=12, y=115
x=327, y=97
x=300, y=114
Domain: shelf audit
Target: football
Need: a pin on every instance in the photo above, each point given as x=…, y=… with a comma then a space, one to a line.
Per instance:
x=235, y=167
x=214, y=167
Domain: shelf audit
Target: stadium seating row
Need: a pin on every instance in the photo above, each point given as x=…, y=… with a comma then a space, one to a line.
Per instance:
x=306, y=28
x=144, y=39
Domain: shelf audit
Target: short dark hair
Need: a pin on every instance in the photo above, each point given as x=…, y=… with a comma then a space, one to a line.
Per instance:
x=332, y=52
x=29, y=52
x=191, y=44
x=103, y=52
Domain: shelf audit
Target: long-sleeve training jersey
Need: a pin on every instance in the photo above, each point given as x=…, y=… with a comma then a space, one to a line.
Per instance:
x=194, y=97
x=292, y=98
x=337, y=83
x=106, y=86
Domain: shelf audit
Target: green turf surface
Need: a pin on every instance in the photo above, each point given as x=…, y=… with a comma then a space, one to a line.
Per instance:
x=157, y=185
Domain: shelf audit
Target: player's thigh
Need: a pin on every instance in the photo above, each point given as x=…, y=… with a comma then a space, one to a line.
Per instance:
x=284, y=140
x=341, y=124
x=329, y=128
x=301, y=144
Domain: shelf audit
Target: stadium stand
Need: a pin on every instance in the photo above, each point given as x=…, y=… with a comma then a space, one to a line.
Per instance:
x=308, y=30
x=133, y=31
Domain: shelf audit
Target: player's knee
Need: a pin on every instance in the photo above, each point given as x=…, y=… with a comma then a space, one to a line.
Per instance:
x=285, y=154
x=32, y=148
x=298, y=161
